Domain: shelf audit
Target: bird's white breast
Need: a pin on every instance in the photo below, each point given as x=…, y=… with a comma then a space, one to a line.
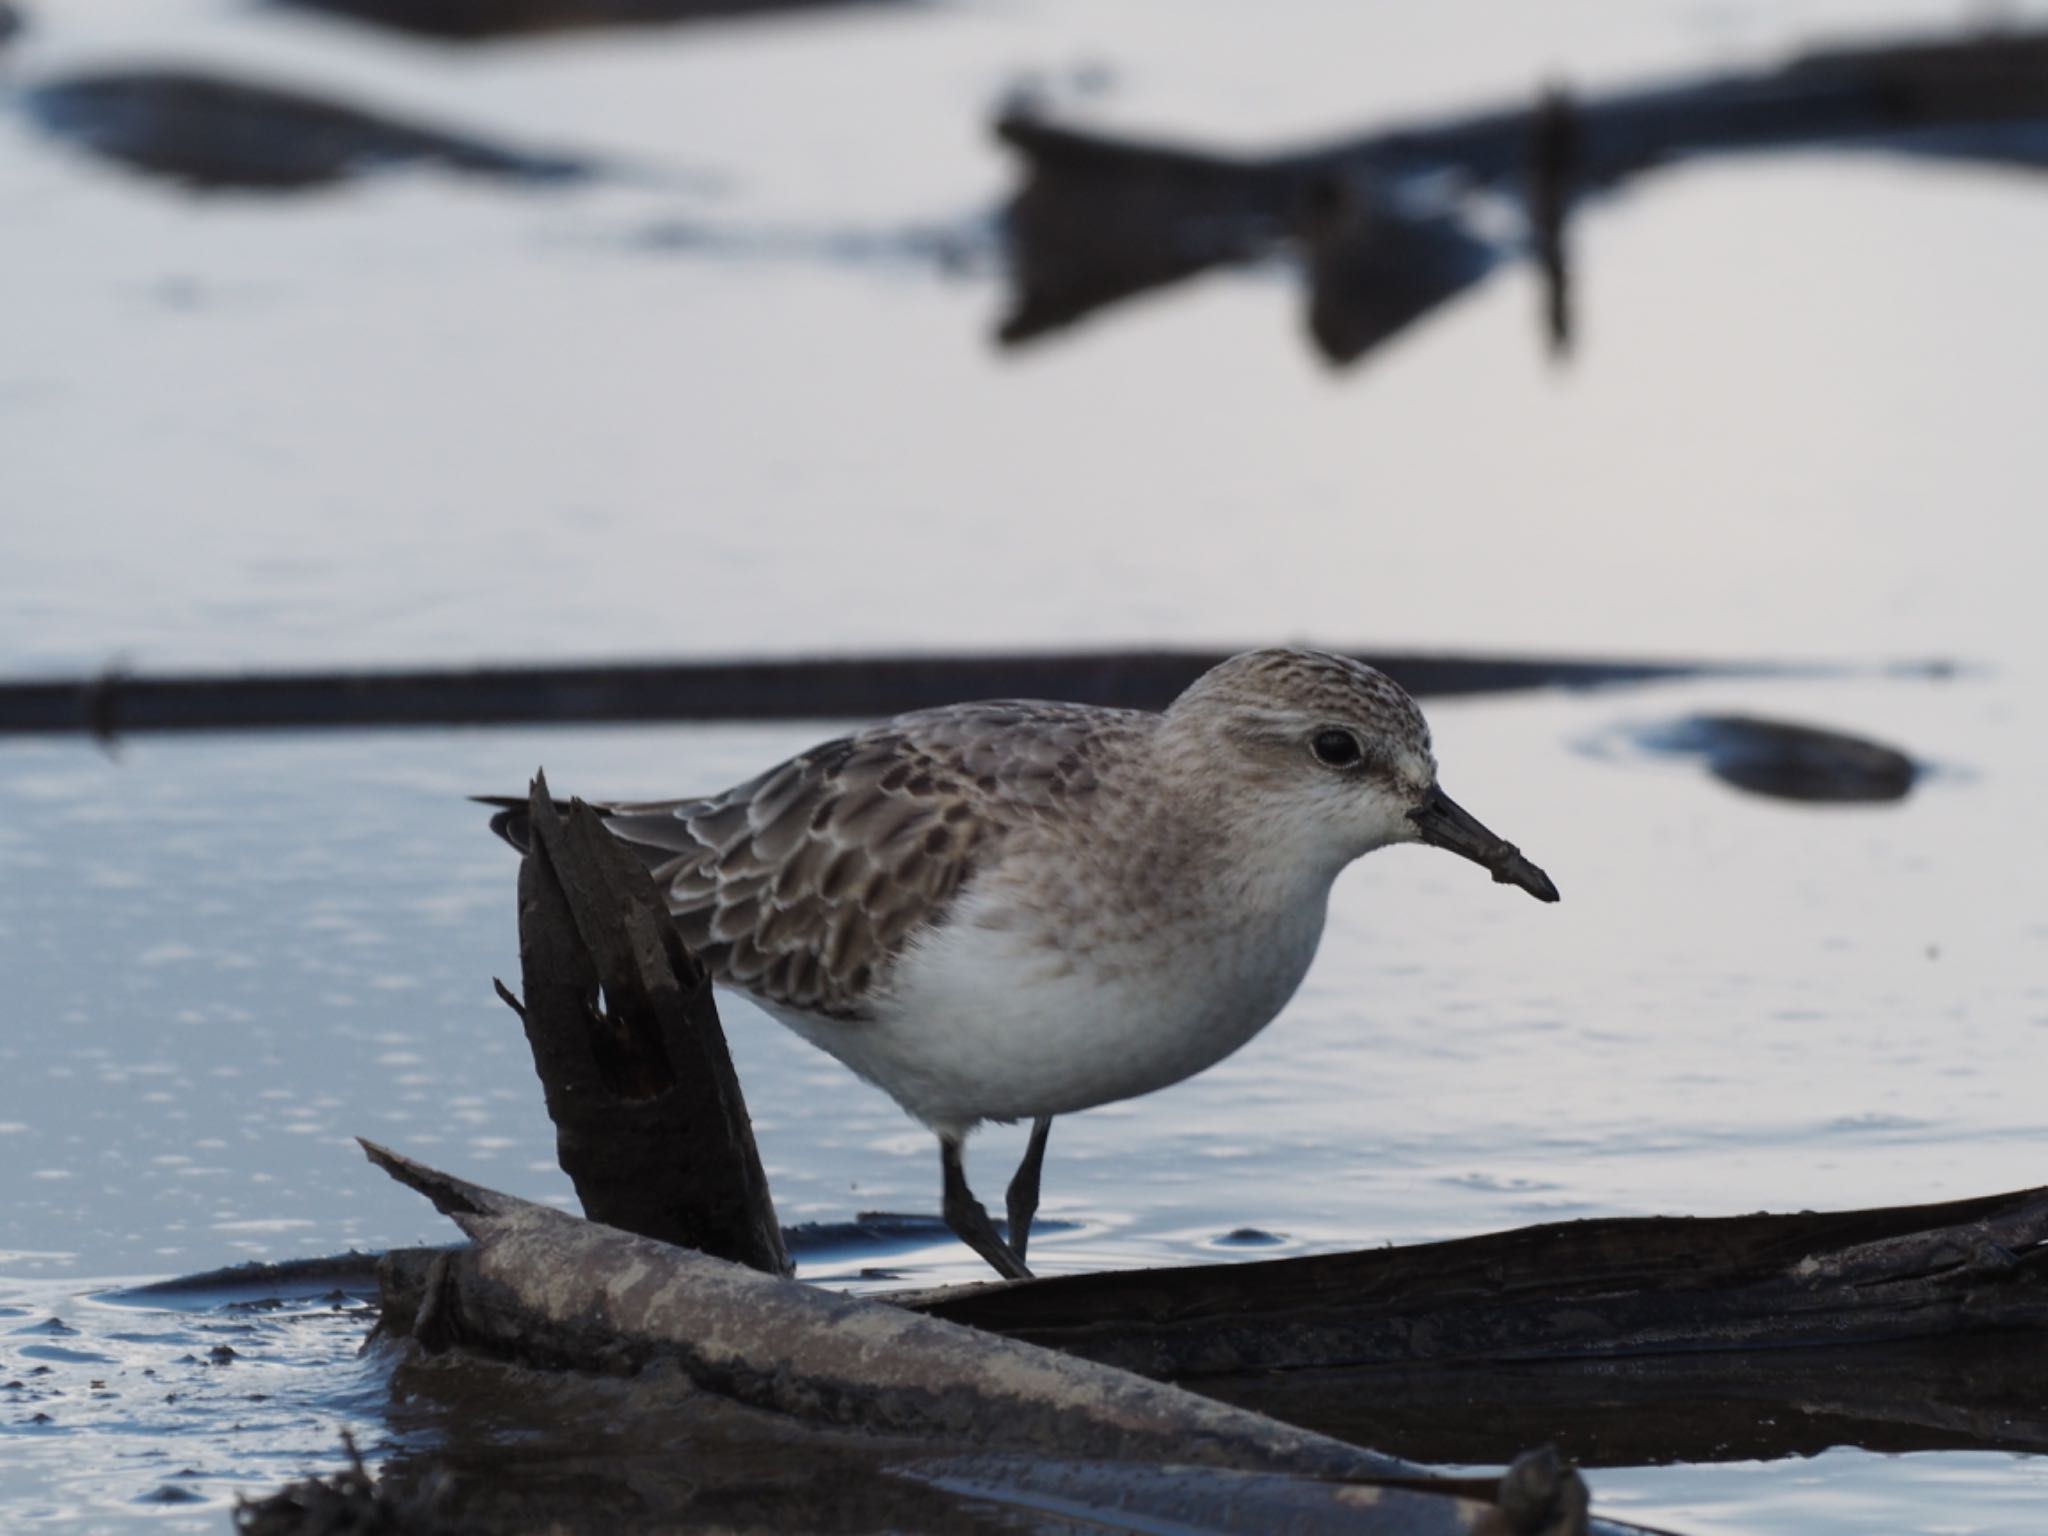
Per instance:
x=993, y=1018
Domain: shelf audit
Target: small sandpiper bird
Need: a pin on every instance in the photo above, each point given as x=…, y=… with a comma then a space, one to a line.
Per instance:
x=1016, y=910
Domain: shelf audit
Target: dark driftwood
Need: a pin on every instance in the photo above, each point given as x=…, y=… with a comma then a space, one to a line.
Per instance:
x=216, y=133
x=1787, y=761
x=1605, y=1289
x=548, y=1290
x=1974, y=1392
x=794, y=688
x=1622, y=1341
x=477, y=20
x=1384, y=223
x=649, y=1119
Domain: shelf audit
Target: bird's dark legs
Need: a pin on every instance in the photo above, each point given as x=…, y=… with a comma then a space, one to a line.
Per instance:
x=970, y=1223
x=1023, y=1198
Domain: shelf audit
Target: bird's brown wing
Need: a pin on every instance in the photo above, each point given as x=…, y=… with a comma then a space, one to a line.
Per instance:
x=804, y=885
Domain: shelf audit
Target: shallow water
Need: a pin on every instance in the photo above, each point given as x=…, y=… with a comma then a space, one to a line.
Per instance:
x=123, y=1412
x=418, y=420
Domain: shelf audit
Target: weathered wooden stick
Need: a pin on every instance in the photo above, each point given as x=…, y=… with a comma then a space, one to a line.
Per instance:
x=649, y=1120
x=546, y=1289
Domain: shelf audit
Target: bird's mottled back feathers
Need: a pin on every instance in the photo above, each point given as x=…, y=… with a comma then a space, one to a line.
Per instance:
x=803, y=886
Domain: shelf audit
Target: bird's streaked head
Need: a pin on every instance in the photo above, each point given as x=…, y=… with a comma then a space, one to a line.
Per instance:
x=1331, y=759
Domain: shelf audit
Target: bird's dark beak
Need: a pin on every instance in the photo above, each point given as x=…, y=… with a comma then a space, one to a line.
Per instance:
x=1444, y=823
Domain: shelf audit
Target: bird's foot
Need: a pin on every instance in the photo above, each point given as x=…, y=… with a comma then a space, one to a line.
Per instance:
x=969, y=1221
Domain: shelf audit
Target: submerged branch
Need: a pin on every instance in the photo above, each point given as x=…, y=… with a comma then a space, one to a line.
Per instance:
x=117, y=704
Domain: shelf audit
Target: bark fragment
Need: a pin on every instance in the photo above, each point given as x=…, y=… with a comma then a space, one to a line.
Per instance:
x=649, y=1120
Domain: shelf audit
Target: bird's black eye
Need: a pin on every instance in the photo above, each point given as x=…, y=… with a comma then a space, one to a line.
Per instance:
x=1336, y=749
